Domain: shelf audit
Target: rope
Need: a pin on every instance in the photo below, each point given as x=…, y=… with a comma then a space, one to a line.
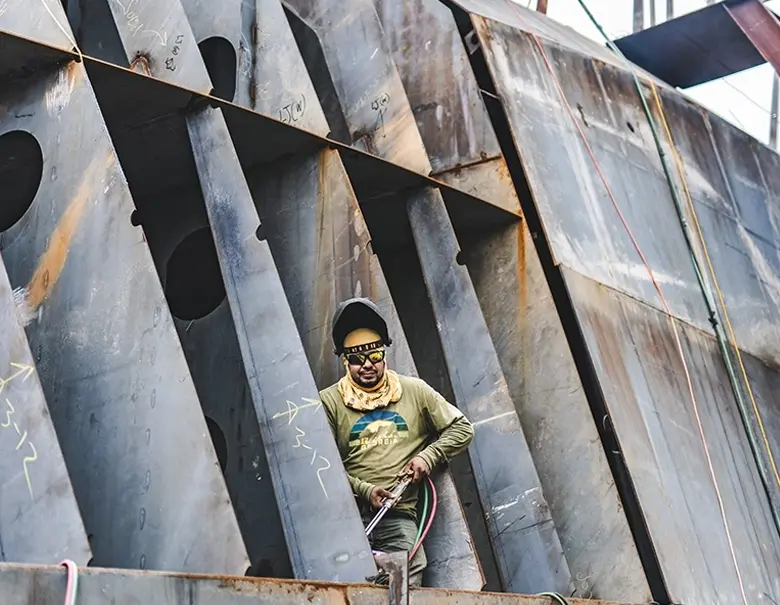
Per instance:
x=73, y=581
x=656, y=285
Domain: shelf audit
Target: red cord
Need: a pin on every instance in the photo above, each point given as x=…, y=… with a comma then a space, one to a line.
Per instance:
x=434, y=504
x=70, y=589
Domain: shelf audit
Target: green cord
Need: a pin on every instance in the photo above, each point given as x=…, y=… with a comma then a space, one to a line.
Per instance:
x=711, y=308
x=424, y=516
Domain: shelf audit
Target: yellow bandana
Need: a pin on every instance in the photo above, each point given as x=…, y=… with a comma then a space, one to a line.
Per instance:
x=388, y=390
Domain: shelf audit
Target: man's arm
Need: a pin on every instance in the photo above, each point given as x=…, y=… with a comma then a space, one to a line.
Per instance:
x=454, y=430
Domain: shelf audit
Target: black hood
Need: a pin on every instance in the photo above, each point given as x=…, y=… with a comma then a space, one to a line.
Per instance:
x=357, y=313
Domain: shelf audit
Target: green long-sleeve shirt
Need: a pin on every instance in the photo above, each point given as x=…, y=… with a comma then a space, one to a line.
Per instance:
x=376, y=445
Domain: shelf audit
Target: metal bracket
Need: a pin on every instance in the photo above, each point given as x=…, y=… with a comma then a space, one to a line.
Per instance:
x=396, y=565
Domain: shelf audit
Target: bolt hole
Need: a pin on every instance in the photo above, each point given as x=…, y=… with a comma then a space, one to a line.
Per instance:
x=460, y=258
x=21, y=170
x=260, y=233
x=630, y=126
x=135, y=218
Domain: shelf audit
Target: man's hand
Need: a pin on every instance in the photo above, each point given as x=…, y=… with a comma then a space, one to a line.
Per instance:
x=377, y=495
x=419, y=468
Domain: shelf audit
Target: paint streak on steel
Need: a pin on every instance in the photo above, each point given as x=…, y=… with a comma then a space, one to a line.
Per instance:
x=39, y=517
x=111, y=366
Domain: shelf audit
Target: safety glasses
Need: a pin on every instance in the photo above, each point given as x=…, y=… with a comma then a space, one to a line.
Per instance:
x=358, y=359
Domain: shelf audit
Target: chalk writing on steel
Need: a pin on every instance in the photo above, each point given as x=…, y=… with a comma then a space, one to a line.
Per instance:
x=9, y=422
x=293, y=409
x=3, y=7
x=135, y=25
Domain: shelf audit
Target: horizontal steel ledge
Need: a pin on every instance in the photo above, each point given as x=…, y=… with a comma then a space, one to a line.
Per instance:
x=21, y=585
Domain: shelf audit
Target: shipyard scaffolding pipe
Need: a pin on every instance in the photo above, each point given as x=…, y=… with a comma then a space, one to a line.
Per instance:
x=190, y=188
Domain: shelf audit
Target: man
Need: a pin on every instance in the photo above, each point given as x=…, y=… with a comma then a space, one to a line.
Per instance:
x=387, y=425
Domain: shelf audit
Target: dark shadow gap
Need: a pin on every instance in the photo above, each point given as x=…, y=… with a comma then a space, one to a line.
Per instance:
x=222, y=64
x=21, y=170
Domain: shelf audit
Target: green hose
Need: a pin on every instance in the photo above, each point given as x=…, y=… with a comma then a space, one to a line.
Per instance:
x=423, y=517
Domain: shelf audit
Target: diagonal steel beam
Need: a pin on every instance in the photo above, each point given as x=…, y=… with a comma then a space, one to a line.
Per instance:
x=761, y=27
x=39, y=516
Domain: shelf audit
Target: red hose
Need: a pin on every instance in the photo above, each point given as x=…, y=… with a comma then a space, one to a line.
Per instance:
x=434, y=504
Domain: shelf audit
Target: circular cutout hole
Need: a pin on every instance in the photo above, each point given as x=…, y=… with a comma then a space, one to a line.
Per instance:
x=260, y=233
x=135, y=218
x=221, y=63
x=219, y=441
x=460, y=258
x=21, y=169
x=193, y=282
x=630, y=126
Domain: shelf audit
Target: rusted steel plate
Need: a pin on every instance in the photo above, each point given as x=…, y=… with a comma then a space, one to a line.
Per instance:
x=369, y=93
x=39, y=516
x=442, y=90
x=639, y=368
x=110, y=363
x=322, y=249
x=760, y=26
x=324, y=534
x=149, y=36
x=528, y=550
x=275, y=75
x=562, y=436
x=47, y=584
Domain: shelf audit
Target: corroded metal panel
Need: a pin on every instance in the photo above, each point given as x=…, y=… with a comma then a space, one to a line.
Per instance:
x=18, y=585
x=562, y=436
x=279, y=85
x=111, y=366
x=528, y=550
x=324, y=535
x=39, y=518
x=368, y=89
x=442, y=90
x=636, y=358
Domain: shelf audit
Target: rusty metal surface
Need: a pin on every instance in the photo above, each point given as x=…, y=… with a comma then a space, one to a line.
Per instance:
x=554, y=412
x=370, y=96
x=322, y=249
x=155, y=38
x=20, y=584
x=527, y=547
x=39, y=517
x=634, y=352
x=442, y=90
x=761, y=27
x=117, y=383
x=324, y=534
x=275, y=75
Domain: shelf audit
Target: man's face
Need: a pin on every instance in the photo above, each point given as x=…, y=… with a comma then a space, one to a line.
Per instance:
x=367, y=369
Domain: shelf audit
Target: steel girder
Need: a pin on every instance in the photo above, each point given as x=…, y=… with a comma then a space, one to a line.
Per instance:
x=464, y=151
x=117, y=383
x=628, y=352
x=39, y=518
x=377, y=115
x=325, y=539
